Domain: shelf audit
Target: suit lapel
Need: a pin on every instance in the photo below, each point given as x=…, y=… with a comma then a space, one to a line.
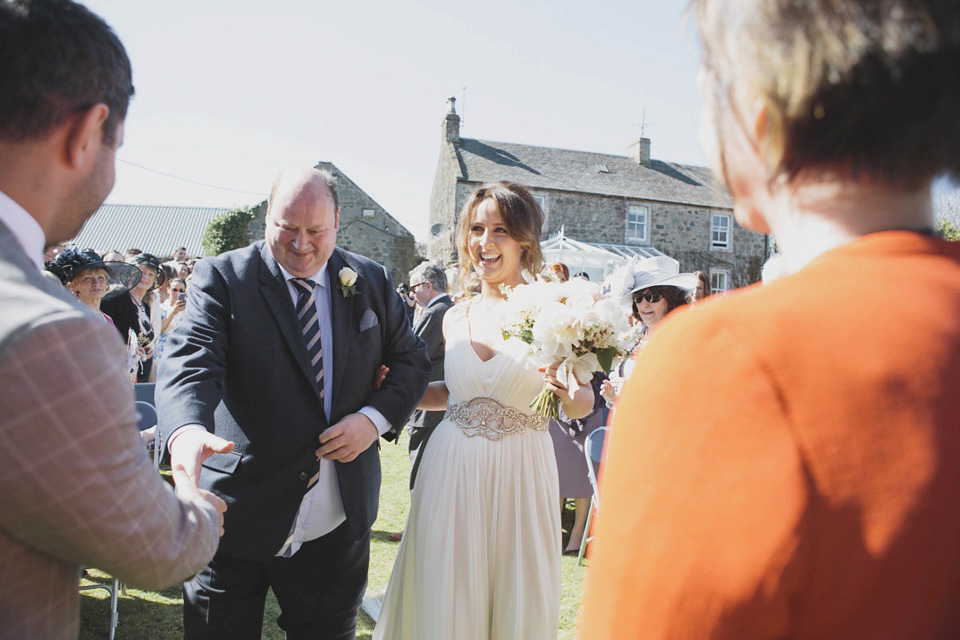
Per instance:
x=275, y=293
x=341, y=317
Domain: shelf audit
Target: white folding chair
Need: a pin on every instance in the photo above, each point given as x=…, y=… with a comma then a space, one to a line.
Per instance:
x=592, y=451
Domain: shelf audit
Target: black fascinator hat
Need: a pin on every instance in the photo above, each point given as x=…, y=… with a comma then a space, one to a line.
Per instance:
x=70, y=263
x=150, y=260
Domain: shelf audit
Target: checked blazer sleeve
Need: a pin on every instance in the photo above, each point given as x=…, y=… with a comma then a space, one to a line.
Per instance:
x=79, y=487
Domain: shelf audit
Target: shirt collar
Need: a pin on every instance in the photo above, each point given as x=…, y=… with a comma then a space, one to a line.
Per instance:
x=435, y=298
x=320, y=277
x=24, y=227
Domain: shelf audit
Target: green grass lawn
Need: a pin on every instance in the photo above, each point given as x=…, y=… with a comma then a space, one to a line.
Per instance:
x=157, y=616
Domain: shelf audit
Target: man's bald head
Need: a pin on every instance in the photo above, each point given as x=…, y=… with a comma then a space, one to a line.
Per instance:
x=297, y=181
x=303, y=217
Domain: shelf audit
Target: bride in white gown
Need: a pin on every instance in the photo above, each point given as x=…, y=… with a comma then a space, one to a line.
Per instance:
x=480, y=558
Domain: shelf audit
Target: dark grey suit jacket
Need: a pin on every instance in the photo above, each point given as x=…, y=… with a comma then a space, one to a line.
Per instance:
x=237, y=364
x=429, y=328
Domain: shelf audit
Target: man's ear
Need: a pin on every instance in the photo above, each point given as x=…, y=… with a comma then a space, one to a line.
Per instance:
x=85, y=135
x=336, y=221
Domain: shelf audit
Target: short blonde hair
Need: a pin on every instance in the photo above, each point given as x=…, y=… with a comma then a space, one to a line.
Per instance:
x=521, y=216
x=850, y=87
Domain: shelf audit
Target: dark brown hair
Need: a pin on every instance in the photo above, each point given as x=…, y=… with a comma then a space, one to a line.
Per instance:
x=58, y=58
x=521, y=215
x=675, y=297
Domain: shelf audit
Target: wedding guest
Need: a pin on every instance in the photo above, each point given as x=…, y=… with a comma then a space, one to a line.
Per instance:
x=657, y=289
x=131, y=253
x=170, y=311
x=88, y=277
x=133, y=312
x=568, y=437
x=78, y=488
x=113, y=256
x=583, y=275
x=559, y=270
x=785, y=461
x=703, y=286
x=162, y=291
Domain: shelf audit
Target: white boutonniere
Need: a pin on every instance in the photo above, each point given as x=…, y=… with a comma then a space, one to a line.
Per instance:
x=348, y=282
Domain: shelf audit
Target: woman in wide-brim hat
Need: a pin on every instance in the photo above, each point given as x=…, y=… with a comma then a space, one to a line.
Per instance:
x=132, y=312
x=89, y=277
x=653, y=288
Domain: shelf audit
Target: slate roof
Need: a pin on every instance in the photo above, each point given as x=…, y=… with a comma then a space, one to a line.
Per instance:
x=151, y=228
x=578, y=171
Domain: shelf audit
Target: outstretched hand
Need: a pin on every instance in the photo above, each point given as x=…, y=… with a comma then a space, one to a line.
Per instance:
x=348, y=438
x=188, y=451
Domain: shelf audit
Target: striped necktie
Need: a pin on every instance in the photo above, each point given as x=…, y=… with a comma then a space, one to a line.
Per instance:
x=309, y=319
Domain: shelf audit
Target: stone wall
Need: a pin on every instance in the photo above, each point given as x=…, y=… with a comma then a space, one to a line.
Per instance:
x=445, y=202
x=375, y=234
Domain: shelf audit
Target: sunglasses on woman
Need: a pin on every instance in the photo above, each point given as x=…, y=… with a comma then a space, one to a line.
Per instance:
x=649, y=295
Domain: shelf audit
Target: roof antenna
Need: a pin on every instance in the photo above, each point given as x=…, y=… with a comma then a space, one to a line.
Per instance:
x=463, y=108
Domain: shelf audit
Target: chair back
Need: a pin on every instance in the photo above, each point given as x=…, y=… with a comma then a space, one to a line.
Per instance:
x=147, y=415
x=593, y=452
x=143, y=392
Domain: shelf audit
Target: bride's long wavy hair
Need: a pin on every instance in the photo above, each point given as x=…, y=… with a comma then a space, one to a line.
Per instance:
x=521, y=216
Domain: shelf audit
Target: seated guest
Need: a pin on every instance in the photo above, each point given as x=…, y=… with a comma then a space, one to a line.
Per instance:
x=132, y=313
x=88, y=276
x=785, y=461
x=657, y=288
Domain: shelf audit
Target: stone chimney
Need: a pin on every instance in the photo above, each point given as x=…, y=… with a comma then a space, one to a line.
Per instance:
x=640, y=151
x=451, y=124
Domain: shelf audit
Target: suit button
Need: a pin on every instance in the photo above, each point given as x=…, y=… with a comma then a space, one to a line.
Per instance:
x=303, y=475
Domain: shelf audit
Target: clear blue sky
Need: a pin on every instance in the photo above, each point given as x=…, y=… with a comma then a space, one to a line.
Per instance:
x=228, y=93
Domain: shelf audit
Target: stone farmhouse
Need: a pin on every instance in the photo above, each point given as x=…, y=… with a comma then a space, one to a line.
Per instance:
x=365, y=228
x=629, y=205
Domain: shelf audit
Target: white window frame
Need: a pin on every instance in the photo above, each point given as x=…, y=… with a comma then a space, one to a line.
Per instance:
x=721, y=239
x=719, y=281
x=644, y=238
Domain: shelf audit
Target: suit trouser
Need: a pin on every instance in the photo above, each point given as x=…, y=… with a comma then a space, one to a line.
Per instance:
x=319, y=590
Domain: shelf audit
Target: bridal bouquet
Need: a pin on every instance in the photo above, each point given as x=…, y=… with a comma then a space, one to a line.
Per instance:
x=571, y=323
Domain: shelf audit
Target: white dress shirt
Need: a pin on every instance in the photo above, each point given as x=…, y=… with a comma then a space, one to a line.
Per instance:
x=321, y=510
x=24, y=227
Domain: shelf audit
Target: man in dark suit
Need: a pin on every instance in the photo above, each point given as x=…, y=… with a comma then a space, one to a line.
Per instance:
x=277, y=353
x=428, y=283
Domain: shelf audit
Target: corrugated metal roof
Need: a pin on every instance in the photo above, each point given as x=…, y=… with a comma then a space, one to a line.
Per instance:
x=568, y=170
x=151, y=228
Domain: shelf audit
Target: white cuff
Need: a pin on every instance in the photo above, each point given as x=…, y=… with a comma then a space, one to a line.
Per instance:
x=377, y=419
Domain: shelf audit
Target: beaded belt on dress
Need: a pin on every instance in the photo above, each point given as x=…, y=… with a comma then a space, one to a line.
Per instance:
x=488, y=418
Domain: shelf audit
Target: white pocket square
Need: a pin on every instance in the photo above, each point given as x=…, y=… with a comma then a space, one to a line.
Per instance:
x=368, y=320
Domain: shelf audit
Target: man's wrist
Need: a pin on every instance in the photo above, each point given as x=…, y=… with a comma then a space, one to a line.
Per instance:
x=380, y=423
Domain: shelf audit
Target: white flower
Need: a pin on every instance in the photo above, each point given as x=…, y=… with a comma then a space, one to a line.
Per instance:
x=348, y=277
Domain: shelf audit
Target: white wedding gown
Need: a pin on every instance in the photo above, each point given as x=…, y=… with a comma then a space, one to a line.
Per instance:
x=480, y=557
